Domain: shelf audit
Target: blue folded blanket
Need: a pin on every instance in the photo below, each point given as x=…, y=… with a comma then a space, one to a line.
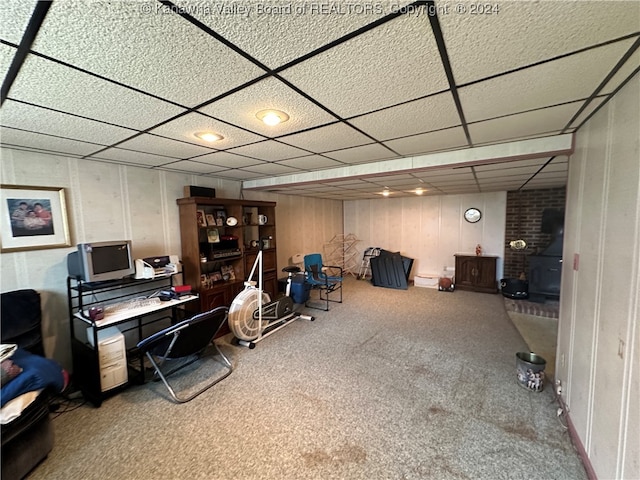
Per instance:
x=37, y=372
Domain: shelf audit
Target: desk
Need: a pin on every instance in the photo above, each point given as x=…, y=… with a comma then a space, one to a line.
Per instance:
x=85, y=332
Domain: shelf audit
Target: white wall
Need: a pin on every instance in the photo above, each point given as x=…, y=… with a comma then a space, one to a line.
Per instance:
x=598, y=356
x=430, y=229
x=107, y=201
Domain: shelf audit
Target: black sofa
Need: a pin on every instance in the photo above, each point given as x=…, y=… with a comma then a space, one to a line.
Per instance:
x=28, y=439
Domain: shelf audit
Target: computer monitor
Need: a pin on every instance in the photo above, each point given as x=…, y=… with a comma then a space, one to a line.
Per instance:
x=101, y=261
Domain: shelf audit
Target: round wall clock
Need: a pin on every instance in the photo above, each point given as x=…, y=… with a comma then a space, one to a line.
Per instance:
x=472, y=215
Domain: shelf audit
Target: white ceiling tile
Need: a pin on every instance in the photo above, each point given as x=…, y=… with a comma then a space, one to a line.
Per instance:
x=185, y=127
x=286, y=30
x=524, y=125
x=121, y=47
x=501, y=175
x=432, y=113
x=565, y=80
x=310, y=162
x=241, y=108
x=329, y=138
x=11, y=136
x=270, y=150
x=42, y=120
x=393, y=63
x=522, y=33
x=362, y=154
x=239, y=174
x=429, y=142
x=192, y=166
x=129, y=156
x=227, y=159
x=6, y=57
x=268, y=169
x=14, y=17
x=163, y=146
x=51, y=85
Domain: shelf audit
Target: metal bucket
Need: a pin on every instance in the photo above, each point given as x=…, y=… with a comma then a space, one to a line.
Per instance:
x=530, y=370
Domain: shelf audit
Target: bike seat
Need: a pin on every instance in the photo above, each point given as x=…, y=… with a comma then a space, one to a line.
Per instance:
x=291, y=269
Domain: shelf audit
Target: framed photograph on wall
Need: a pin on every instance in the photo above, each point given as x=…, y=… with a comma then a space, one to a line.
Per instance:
x=33, y=218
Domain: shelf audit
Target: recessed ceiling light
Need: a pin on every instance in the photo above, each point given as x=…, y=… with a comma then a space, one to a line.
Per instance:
x=209, y=136
x=272, y=117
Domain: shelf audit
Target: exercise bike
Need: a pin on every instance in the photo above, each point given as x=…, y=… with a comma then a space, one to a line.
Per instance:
x=253, y=316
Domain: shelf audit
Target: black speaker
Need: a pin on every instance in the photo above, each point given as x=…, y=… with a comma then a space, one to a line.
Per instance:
x=195, y=191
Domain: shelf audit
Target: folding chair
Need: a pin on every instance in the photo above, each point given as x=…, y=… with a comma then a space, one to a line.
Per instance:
x=182, y=344
x=327, y=279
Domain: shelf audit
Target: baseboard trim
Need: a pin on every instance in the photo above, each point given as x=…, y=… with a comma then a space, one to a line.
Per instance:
x=575, y=439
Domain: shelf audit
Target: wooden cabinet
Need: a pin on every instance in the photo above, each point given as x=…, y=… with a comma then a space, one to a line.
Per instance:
x=218, y=255
x=477, y=273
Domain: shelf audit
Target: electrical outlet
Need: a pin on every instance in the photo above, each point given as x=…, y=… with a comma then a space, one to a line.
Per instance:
x=558, y=387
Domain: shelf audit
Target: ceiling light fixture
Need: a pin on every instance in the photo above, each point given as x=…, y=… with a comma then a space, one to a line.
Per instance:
x=419, y=191
x=272, y=117
x=385, y=192
x=209, y=136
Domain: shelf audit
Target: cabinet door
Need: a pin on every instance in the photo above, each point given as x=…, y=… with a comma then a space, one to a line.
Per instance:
x=466, y=271
x=486, y=277
x=214, y=297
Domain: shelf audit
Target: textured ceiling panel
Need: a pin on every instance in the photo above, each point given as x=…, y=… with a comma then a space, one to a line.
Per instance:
x=552, y=83
x=521, y=33
x=325, y=139
x=286, y=30
x=50, y=143
x=364, y=153
x=524, y=125
x=133, y=158
x=397, y=61
x=227, y=160
x=241, y=108
x=41, y=120
x=54, y=86
x=118, y=40
x=363, y=83
x=14, y=17
x=185, y=127
x=163, y=146
x=269, y=150
x=431, y=113
x=429, y=142
x=310, y=162
x=6, y=57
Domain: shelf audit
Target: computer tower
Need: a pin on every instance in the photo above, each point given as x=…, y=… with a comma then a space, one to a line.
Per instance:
x=112, y=356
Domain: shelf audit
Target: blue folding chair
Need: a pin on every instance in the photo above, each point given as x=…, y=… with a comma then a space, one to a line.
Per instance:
x=327, y=279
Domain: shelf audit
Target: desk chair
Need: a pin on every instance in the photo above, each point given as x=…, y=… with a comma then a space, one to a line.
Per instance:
x=327, y=279
x=182, y=344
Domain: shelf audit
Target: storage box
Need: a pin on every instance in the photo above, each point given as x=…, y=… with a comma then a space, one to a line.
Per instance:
x=427, y=280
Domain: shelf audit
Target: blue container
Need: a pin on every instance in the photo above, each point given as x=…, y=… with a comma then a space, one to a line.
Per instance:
x=300, y=291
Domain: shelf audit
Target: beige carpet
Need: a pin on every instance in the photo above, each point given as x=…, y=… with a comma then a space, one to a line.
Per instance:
x=391, y=384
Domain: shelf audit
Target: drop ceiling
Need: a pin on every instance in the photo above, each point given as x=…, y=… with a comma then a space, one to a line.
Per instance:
x=370, y=87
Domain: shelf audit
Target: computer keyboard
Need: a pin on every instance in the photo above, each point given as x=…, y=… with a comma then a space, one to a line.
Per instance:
x=133, y=304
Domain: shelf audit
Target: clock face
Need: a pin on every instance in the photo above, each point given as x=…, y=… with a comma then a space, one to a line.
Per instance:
x=472, y=215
